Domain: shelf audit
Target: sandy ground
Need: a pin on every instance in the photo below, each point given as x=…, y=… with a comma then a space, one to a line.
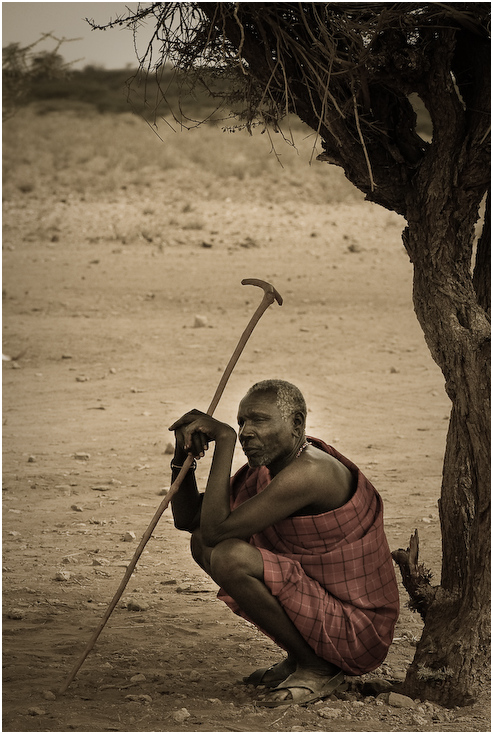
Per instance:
x=120, y=311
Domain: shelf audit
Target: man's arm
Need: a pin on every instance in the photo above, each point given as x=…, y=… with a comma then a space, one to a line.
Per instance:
x=186, y=503
x=304, y=483
x=193, y=432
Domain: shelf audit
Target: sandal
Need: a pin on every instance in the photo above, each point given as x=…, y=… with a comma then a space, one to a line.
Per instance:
x=257, y=677
x=304, y=689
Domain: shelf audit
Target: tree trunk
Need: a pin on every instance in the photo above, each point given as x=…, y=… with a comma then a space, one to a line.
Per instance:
x=452, y=657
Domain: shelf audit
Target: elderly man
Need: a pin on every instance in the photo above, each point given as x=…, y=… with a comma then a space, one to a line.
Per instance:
x=295, y=540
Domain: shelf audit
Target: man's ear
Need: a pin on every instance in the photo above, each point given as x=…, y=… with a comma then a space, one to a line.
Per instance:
x=298, y=423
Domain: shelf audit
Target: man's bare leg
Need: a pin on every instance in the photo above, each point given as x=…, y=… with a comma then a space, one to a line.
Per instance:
x=238, y=568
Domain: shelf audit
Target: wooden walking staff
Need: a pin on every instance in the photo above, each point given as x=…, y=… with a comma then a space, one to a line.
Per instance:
x=270, y=295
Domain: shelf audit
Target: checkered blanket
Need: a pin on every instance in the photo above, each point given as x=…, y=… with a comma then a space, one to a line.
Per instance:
x=332, y=573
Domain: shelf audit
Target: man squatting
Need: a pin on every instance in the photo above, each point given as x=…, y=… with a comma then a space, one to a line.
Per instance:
x=295, y=540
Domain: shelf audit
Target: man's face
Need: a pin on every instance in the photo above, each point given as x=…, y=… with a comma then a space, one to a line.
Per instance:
x=264, y=434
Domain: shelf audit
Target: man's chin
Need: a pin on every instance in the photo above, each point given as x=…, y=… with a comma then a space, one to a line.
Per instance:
x=255, y=461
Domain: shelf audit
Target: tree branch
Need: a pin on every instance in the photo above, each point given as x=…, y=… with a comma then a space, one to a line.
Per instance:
x=415, y=577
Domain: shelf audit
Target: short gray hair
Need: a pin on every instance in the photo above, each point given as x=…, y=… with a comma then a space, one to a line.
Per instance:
x=289, y=399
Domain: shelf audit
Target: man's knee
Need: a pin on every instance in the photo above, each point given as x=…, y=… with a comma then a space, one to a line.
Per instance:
x=234, y=559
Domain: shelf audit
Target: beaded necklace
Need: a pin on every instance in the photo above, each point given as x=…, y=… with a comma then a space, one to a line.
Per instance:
x=301, y=449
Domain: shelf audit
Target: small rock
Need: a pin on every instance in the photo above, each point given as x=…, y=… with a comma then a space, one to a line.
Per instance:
x=62, y=576
x=249, y=242
x=137, y=606
x=200, y=322
x=375, y=686
x=82, y=378
x=14, y=534
x=129, y=536
x=181, y=716
x=399, y=701
x=138, y=678
x=100, y=562
x=49, y=696
x=36, y=711
x=194, y=676
x=139, y=697
x=168, y=582
x=393, y=371
x=328, y=713
x=82, y=456
x=183, y=587
x=31, y=459
x=399, y=675
x=77, y=508
x=15, y=614
x=439, y=716
x=112, y=371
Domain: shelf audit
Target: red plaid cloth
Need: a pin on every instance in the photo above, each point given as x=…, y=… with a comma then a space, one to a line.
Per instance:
x=332, y=573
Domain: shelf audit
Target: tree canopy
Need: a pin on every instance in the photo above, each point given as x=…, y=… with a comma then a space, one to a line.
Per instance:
x=346, y=69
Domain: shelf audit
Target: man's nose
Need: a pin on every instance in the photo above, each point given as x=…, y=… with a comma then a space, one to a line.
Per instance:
x=246, y=430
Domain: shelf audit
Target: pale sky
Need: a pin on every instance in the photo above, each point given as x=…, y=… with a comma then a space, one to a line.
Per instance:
x=25, y=22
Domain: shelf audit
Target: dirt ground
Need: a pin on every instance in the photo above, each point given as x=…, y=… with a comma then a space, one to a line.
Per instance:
x=121, y=308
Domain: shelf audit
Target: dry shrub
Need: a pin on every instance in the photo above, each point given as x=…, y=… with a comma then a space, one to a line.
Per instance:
x=90, y=154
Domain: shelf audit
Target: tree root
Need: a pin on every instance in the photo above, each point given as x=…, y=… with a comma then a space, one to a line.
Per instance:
x=415, y=577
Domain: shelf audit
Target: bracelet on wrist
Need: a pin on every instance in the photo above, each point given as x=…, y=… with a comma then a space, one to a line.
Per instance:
x=193, y=466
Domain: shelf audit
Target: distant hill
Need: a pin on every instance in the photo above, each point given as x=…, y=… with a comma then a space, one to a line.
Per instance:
x=118, y=91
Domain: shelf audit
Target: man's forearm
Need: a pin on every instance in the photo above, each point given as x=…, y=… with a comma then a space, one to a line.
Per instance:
x=186, y=503
x=216, y=503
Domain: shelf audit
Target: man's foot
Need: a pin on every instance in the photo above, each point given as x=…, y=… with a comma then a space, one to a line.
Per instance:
x=273, y=676
x=303, y=686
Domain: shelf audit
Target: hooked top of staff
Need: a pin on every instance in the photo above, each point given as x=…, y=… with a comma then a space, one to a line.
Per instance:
x=268, y=288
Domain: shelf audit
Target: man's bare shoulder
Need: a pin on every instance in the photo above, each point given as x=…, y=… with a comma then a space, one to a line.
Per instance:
x=327, y=482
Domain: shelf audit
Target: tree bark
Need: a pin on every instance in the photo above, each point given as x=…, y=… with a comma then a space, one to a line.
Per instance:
x=451, y=662
x=452, y=655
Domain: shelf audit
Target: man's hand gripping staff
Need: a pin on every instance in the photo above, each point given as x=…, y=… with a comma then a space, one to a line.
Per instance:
x=196, y=444
x=195, y=430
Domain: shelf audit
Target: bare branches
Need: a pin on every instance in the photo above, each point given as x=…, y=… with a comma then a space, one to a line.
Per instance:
x=22, y=66
x=346, y=69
